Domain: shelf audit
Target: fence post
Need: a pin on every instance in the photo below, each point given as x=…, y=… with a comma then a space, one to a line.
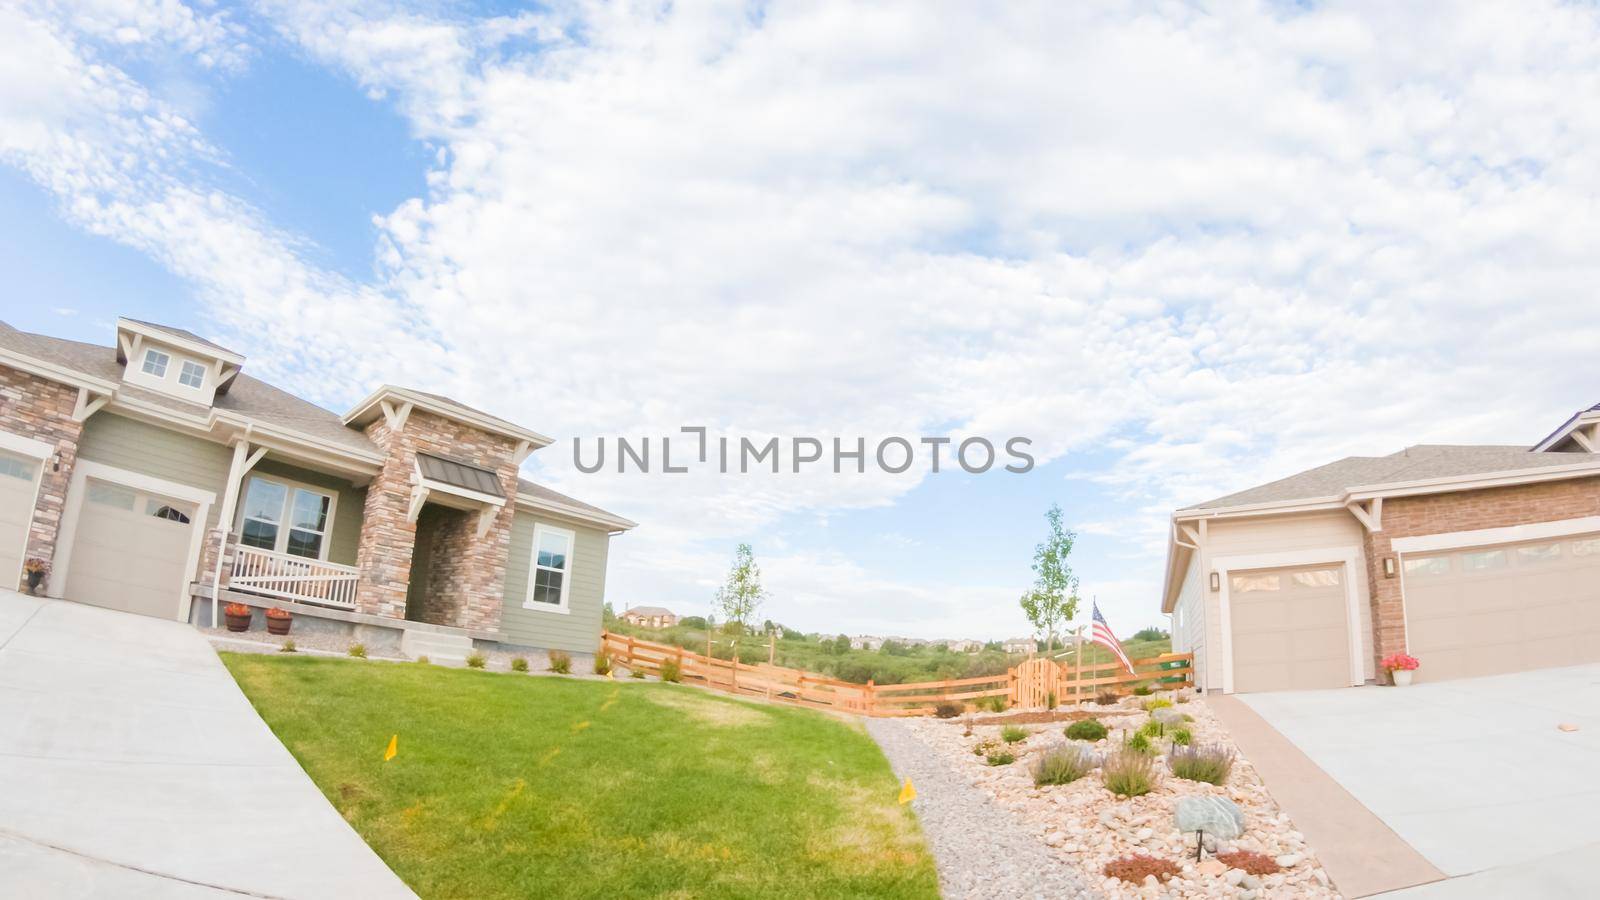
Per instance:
x=631, y=666
x=870, y=698
x=733, y=679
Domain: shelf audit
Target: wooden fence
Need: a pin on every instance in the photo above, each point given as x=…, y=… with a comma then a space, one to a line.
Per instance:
x=1028, y=685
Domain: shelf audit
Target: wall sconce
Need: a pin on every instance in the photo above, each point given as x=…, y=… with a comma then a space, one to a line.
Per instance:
x=1388, y=567
x=55, y=462
x=1216, y=581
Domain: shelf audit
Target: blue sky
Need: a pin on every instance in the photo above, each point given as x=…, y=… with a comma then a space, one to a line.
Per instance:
x=1184, y=251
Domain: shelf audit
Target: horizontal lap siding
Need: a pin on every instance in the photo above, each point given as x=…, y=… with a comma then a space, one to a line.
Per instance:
x=345, y=536
x=577, y=631
x=158, y=452
x=1190, y=637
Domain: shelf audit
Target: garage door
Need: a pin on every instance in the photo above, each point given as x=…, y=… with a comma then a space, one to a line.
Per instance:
x=19, y=482
x=131, y=550
x=1504, y=608
x=1289, y=629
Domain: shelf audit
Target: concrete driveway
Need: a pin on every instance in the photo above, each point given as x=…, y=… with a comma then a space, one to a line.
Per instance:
x=1473, y=774
x=131, y=765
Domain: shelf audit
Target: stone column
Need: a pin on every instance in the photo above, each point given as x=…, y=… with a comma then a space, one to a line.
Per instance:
x=40, y=409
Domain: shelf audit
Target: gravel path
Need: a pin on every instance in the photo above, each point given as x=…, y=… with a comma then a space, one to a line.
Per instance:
x=982, y=851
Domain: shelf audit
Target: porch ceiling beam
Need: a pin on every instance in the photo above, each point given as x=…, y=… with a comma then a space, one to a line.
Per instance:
x=88, y=404
x=396, y=416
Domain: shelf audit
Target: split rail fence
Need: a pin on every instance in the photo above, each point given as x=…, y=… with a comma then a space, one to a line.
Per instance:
x=1029, y=685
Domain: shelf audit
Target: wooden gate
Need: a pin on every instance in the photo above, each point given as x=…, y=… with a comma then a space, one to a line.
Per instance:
x=1032, y=683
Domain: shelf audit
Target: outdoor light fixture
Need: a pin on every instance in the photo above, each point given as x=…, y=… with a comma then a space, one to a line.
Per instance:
x=55, y=462
x=1216, y=581
x=1388, y=567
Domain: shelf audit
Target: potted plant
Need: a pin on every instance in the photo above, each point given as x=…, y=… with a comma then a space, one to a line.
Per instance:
x=1400, y=666
x=37, y=569
x=278, y=620
x=238, y=616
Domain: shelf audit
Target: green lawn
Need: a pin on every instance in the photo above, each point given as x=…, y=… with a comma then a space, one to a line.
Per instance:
x=520, y=786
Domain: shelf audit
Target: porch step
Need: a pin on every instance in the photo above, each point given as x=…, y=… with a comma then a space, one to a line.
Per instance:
x=437, y=647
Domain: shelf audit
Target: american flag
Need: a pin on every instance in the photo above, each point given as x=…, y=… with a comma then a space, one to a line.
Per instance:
x=1101, y=634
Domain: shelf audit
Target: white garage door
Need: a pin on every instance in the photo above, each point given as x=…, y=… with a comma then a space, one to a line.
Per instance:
x=19, y=485
x=1289, y=629
x=1503, y=608
x=131, y=550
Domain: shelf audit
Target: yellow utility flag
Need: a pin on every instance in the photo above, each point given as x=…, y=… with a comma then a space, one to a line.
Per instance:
x=394, y=749
x=907, y=793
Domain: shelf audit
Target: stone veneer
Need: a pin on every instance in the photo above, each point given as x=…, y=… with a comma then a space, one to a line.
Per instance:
x=42, y=410
x=467, y=574
x=1460, y=511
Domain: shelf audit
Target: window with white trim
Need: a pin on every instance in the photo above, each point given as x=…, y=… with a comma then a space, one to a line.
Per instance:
x=192, y=374
x=285, y=518
x=155, y=363
x=17, y=466
x=550, y=572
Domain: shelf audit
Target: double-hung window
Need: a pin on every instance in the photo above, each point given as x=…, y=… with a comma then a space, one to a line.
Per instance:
x=286, y=518
x=550, y=575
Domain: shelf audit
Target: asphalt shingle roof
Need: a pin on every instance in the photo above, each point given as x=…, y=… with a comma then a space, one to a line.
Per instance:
x=185, y=334
x=1418, y=463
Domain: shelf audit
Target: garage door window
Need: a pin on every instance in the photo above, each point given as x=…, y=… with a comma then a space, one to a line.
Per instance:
x=1588, y=547
x=16, y=467
x=1487, y=559
x=163, y=511
x=1318, y=578
x=1534, y=554
x=110, y=495
x=1245, y=584
x=1427, y=566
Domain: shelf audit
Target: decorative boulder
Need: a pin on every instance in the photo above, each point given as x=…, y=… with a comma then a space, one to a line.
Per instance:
x=1217, y=816
x=1166, y=715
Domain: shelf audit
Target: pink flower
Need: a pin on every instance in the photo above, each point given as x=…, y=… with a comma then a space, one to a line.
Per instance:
x=1403, y=662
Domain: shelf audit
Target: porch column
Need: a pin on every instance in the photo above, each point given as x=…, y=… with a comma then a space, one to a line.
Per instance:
x=243, y=461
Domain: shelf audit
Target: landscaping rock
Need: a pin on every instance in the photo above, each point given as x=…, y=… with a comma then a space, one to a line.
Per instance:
x=1216, y=816
x=1289, y=860
x=1167, y=716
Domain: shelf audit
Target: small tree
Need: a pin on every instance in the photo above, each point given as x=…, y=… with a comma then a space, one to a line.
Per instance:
x=1053, y=599
x=741, y=595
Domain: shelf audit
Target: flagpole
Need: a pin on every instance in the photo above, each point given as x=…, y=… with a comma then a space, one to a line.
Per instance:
x=1077, y=659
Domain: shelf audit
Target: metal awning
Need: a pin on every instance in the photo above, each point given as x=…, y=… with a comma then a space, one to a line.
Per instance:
x=459, y=475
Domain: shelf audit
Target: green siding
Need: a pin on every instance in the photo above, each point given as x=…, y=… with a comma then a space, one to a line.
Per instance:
x=157, y=452
x=579, y=630
x=345, y=536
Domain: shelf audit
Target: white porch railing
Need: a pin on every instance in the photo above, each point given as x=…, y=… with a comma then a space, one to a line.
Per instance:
x=293, y=577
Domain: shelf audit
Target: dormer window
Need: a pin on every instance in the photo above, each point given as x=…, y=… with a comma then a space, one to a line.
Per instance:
x=155, y=363
x=193, y=374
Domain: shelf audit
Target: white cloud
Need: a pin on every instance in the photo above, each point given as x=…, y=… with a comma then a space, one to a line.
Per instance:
x=1228, y=242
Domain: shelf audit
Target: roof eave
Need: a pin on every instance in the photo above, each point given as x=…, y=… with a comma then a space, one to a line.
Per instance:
x=598, y=517
x=368, y=410
x=33, y=365
x=175, y=340
x=1585, y=417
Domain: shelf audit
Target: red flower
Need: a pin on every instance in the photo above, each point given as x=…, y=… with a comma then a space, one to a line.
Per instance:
x=1402, y=662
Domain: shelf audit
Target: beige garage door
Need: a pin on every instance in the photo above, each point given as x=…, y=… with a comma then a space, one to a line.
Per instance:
x=1505, y=608
x=19, y=484
x=131, y=550
x=1289, y=629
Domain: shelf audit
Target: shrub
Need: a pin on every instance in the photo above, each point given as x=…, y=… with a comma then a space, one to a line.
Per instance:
x=1249, y=862
x=1106, y=698
x=1129, y=773
x=476, y=660
x=1153, y=729
x=1062, y=765
x=1181, y=737
x=1050, y=700
x=1208, y=764
x=996, y=703
x=423, y=659
x=635, y=673
x=947, y=710
x=1143, y=690
x=1086, y=730
x=288, y=647
x=670, y=670
x=358, y=650
x=1138, y=743
x=1155, y=703
x=1134, y=869
x=602, y=662
x=561, y=663
x=518, y=664
x=1001, y=758
x=984, y=748
x=1012, y=733
x=236, y=609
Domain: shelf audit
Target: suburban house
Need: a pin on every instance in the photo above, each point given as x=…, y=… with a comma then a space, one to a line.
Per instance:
x=1020, y=645
x=866, y=642
x=147, y=473
x=650, y=617
x=1476, y=560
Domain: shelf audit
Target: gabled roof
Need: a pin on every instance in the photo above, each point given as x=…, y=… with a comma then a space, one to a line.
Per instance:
x=371, y=408
x=182, y=334
x=541, y=497
x=649, y=611
x=1557, y=437
x=1418, y=463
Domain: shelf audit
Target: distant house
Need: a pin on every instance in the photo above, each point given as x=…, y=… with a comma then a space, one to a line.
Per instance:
x=650, y=617
x=963, y=646
x=865, y=642
x=1020, y=645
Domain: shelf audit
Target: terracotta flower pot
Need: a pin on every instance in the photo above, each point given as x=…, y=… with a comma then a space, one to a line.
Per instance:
x=278, y=625
x=238, y=622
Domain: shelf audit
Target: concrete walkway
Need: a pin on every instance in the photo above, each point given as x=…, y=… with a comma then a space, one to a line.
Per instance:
x=1472, y=773
x=132, y=766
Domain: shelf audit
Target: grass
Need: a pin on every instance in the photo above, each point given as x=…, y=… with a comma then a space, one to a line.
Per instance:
x=519, y=787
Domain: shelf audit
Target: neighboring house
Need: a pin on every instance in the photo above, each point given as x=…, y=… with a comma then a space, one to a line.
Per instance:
x=963, y=646
x=865, y=642
x=1020, y=645
x=650, y=617
x=402, y=521
x=1474, y=559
